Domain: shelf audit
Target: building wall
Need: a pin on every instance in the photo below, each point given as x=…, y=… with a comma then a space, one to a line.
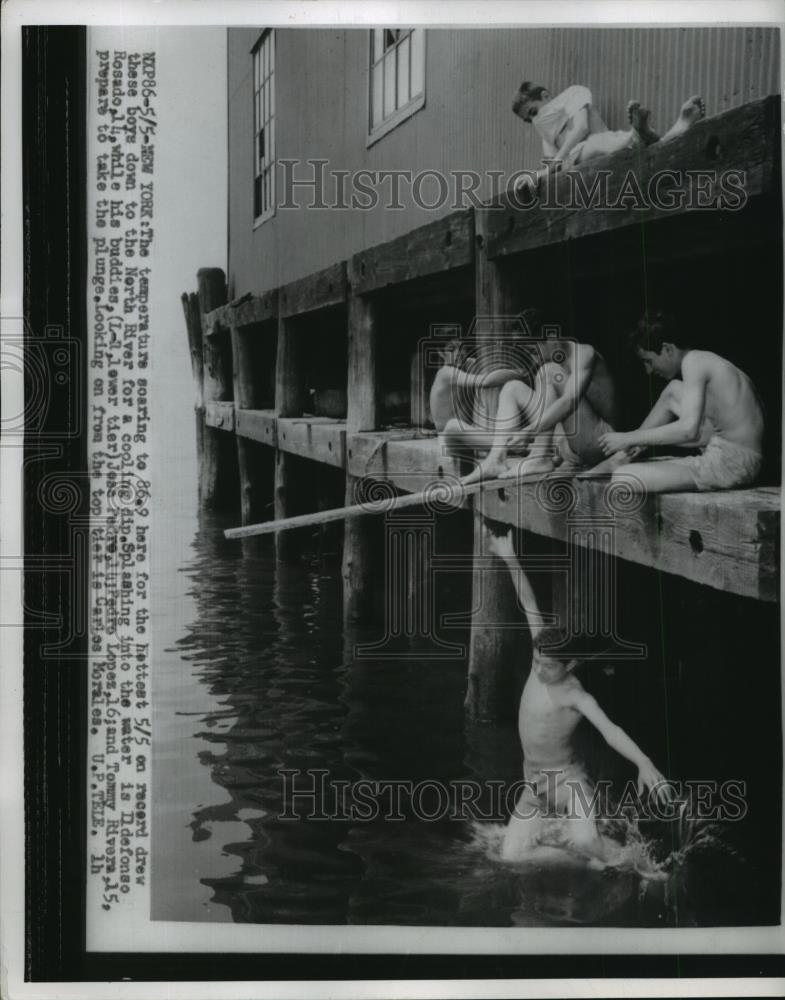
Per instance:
x=466, y=123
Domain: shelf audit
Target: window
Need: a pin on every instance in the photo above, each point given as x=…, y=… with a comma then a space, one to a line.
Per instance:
x=264, y=127
x=397, y=78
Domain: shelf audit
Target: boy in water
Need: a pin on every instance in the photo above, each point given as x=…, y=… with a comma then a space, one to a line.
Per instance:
x=552, y=704
x=572, y=131
x=708, y=403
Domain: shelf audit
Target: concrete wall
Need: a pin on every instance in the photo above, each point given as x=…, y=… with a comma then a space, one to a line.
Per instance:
x=466, y=123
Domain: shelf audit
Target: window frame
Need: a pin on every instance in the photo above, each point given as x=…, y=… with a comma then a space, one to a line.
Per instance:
x=407, y=110
x=270, y=211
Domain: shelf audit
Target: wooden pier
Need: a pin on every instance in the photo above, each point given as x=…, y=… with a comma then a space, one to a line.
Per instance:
x=254, y=360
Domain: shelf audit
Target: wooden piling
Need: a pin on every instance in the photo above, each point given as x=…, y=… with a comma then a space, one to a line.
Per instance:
x=290, y=392
x=254, y=472
x=193, y=325
x=216, y=387
x=492, y=647
x=361, y=415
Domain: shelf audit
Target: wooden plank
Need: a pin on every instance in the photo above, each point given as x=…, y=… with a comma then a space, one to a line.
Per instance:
x=216, y=322
x=317, y=438
x=744, y=139
x=316, y=291
x=434, y=248
x=408, y=461
x=726, y=540
x=251, y=310
x=219, y=415
x=258, y=425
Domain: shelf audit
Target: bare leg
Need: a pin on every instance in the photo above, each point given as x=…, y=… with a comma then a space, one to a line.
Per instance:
x=656, y=477
x=519, y=404
x=692, y=111
x=460, y=436
x=665, y=410
x=522, y=832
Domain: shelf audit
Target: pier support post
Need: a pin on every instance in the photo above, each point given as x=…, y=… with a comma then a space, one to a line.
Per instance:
x=255, y=473
x=492, y=647
x=361, y=415
x=211, y=282
x=289, y=402
x=193, y=325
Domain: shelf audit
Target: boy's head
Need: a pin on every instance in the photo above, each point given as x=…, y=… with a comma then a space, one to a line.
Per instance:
x=455, y=352
x=528, y=100
x=550, y=657
x=659, y=344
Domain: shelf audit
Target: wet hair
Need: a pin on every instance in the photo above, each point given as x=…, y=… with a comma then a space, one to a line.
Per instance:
x=551, y=636
x=527, y=91
x=655, y=329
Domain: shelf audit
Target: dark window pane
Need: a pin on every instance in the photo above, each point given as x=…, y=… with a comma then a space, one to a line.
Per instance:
x=257, y=196
x=261, y=146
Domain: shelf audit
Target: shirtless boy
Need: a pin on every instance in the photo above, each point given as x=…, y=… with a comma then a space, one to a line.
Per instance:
x=552, y=704
x=561, y=419
x=454, y=387
x=572, y=131
x=708, y=403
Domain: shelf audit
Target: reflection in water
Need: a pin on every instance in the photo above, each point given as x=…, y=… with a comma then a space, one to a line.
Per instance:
x=264, y=680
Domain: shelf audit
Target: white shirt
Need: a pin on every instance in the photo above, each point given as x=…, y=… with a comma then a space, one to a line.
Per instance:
x=553, y=118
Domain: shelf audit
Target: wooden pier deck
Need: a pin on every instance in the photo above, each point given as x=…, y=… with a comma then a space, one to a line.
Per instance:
x=251, y=358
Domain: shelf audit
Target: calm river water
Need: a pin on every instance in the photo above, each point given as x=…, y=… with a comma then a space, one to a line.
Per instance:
x=253, y=675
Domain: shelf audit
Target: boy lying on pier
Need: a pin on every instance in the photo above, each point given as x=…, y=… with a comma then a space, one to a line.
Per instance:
x=556, y=805
x=572, y=131
x=708, y=404
x=561, y=419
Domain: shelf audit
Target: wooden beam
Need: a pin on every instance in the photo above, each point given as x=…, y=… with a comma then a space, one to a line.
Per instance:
x=251, y=310
x=289, y=402
x=361, y=415
x=190, y=302
x=727, y=540
x=219, y=415
x=215, y=461
x=320, y=439
x=744, y=139
x=434, y=248
x=408, y=461
x=316, y=291
x=493, y=649
x=257, y=425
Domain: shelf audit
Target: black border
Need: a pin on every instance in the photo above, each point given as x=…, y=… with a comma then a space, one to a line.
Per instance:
x=55, y=692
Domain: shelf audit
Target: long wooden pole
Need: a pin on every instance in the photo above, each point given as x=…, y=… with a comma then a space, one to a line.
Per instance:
x=444, y=496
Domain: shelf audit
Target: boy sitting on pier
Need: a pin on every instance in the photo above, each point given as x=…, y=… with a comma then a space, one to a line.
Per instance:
x=552, y=704
x=572, y=131
x=454, y=386
x=708, y=404
x=561, y=419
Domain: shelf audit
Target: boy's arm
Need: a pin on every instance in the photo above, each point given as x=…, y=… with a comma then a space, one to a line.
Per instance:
x=615, y=737
x=504, y=549
x=487, y=380
x=683, y=431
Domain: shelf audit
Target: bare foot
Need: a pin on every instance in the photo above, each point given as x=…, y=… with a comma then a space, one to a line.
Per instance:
x=639, y=119
x=609, y=465
x=692, y=111
x=490, y=468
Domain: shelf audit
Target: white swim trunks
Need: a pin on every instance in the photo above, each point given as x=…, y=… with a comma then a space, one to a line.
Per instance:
x=723, y=465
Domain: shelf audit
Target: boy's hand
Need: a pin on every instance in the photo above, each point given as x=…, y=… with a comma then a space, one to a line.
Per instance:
x=613, y=441
x=500, y=545
x=650, y=778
